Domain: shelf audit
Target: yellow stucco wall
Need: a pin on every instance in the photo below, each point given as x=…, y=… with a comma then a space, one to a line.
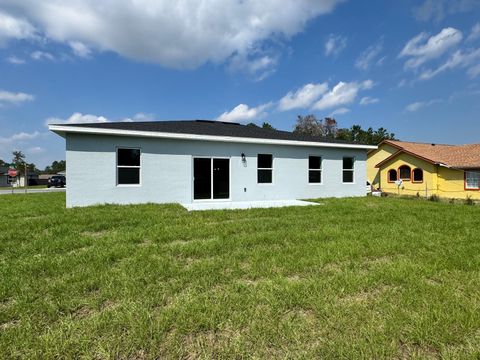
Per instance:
x=451, y=185
x=374, y=157
x=427, y=188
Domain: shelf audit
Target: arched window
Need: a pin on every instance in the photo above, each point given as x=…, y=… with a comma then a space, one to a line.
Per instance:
x=392, y=175
x=404, y=172
x=417, y=175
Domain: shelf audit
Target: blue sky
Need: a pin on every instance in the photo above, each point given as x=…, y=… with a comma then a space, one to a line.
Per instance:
x=410, y=66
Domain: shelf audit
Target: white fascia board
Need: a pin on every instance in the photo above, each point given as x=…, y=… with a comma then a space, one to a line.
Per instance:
x=61, y=130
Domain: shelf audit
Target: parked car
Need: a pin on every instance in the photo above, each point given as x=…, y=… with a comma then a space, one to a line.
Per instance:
x=57, y=181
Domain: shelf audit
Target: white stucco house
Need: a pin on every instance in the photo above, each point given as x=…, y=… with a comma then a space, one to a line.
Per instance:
x=204, y=161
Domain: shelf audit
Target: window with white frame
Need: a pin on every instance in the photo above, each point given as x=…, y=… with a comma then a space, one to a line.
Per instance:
x=348, y=169
x=314, y=169
x=128, y=166
x=472, y=180
x=264, y=168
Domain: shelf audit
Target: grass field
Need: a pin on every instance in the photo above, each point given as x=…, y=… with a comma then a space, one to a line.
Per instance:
x=354, y=278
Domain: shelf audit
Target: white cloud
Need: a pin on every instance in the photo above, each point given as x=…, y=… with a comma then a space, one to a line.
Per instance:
x=342, y=94
x=367, y=100
x=303, y=97
x=437, y=10
x=422, y=48
x=243, y=113
x=183, y=34
x=335, y=44
x=475, y=33
x=35, y=150
x=459, y=59
x=80, y=49
x=14, y=28
x=420, y=105
x=18, y=137
x=42, y=55
x=340, y=111
x=474, y=71
x=8, y=97
x=259, y=67
x=15, y=60
x=367, y=57
x=77, y=118
x=143, y=117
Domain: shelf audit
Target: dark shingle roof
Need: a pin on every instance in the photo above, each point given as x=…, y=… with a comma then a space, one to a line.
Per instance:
x=208, y=127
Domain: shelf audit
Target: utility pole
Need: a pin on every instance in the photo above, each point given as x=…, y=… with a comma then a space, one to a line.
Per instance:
x=26, y=178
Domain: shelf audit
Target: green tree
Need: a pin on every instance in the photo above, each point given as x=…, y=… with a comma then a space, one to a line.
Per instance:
x=19, y=161
x=266, y=125
x=370, y=137
x=56, y=167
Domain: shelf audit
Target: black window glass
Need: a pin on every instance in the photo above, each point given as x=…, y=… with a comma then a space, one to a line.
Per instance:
x=128, y=157
x=128, y=176
x=264, y=176
x=392, y=175
x=264, y=161
x=348, y=176
x=347, y=163
x=314, y=162
x=418, y=175
x=314, y=176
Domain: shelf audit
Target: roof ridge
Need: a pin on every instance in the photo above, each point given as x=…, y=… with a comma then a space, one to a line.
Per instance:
x=421, y=143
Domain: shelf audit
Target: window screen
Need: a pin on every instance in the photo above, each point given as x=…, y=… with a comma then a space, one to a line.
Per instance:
x=128, y=166
x=472, y=180
x=264, y=168
x=348, y=169
x=314, y=169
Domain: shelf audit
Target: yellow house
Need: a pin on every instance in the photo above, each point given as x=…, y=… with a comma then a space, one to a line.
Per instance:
x=408, y=168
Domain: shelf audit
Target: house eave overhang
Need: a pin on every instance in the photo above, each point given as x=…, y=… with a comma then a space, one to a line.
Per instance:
x=403, y=151
x=63, y=130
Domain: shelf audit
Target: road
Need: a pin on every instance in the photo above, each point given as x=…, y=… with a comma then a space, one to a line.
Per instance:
x=30, y=191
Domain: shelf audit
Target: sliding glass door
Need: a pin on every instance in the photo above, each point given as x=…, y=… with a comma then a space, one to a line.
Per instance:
x=211, y=178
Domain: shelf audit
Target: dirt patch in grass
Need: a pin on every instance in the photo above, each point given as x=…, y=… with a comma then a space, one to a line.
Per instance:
x=96, y=234
x=300, y=313
x=410, y=351
x=368, y=295
x=9, y=324
x=433, y=281
x=7, y=303
x=254, y=281
x=108, y=305
x=333, y=267
x=79, y=250
x=82, y=312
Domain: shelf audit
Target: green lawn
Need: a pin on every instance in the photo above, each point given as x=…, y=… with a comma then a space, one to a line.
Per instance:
x=354, y=278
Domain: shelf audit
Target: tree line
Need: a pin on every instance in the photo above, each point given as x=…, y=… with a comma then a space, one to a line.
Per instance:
x=19, y=159
x=328, y=128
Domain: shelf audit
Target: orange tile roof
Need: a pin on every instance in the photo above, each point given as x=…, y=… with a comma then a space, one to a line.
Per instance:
x=456, y=156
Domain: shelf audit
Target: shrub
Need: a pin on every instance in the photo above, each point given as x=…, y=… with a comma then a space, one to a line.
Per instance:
x=469, y=201
x=434, y=198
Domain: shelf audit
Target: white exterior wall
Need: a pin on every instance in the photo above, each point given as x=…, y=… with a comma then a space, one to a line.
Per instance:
x=167, y=170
